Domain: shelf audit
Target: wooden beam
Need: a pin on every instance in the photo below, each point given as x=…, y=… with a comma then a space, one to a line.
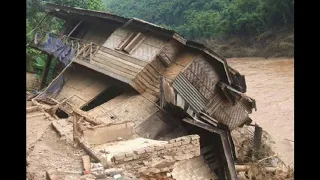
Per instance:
x=224, y=140
x=74, y=28
x=46, y=71
x=257, y=137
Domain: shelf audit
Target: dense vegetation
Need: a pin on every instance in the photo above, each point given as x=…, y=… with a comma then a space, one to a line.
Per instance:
x=209, y=18
x=35, y=13
x=232, y=28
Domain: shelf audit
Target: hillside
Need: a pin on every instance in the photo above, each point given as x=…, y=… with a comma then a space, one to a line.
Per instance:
x=234, y=28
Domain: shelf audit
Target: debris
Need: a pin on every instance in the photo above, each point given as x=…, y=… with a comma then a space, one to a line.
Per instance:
x=53, y=174
x=257, y=137
x=88, y=177
x=113, y=171
x=117, y=176
x=86, y=164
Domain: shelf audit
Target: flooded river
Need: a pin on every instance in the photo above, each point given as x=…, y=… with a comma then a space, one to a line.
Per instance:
x=271, y=83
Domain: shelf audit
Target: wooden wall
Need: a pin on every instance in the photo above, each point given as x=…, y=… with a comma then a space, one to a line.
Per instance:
x=126, y=108
x=121, y=67
x=146, y=51
x=98, y=34
x=169, y=62
x=202, y=76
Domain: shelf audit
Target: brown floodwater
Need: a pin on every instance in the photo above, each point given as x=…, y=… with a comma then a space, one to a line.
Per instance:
x=271, y=83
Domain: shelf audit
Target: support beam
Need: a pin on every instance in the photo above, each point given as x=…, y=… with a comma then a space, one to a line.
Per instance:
x=74, y=28
x=225, y=144
x=46, y=71
x=257, y=137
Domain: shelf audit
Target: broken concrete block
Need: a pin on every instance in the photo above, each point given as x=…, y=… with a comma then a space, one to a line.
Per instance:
x=101, y=135
x=129, y=154
x=128, y=159
x=113, y=171
x=118, y=157
x=139, y=151
x=53, y=174
x=117, y=176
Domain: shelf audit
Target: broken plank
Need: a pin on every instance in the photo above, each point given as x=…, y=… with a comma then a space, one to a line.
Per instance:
x=86, y=163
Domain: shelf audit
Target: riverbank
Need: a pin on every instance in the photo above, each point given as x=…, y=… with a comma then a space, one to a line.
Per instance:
x=277, y=42
x=271, y=83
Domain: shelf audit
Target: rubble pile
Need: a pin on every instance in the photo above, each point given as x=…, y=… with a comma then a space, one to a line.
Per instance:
x=264, y=164
x=140, y=158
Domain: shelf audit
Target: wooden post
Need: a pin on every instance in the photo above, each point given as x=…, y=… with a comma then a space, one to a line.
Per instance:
x=45, y=71
x=257, y=137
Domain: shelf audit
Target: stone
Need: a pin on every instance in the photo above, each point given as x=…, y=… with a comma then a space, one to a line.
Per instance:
x=154, y=170
x=129, y=154
x=139, y=151
x=128, y=159
x=117, y=176
x=118, y=157
x=177, y=144
x=195, y=137
x=149, y=149
x=53, y=174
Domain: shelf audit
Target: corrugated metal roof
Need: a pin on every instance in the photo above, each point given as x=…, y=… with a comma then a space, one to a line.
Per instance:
x=189, y=93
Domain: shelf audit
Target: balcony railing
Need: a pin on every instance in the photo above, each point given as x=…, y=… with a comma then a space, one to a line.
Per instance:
x=83, y=50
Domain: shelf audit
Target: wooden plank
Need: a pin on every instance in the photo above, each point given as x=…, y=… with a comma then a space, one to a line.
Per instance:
x=103, y=71
x=114, y=66
x=74, y=28
x=124, y=56
x=149, y=80
x=125, y=41
x=137, y=87
x=155, y=75
x=164, y=58
x=118, y=59
x=113, y=69
x=92, y=91
x=154, y=79
x=158, y=65
x=85, y=82
x=106, y=60
x=145, y=82
x=225, y=144
x=115, y=102
x=257, y=137
x=134, y=43
x=77, y=101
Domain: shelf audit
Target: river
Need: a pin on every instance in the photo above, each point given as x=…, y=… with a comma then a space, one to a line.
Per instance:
x=271, y=83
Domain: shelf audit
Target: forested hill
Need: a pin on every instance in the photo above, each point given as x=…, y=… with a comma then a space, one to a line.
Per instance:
x=209, y=18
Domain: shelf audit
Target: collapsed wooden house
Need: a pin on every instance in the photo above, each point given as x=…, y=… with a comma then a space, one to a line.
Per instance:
x=160, y=85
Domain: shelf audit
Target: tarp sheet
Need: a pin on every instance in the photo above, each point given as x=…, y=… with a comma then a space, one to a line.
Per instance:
x=52, y=44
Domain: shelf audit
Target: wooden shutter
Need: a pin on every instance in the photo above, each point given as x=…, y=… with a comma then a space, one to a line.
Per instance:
x=125, y=41
x=135, y=42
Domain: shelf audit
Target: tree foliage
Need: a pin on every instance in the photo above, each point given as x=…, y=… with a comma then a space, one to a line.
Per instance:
x=35, y=13
x=209, y=18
